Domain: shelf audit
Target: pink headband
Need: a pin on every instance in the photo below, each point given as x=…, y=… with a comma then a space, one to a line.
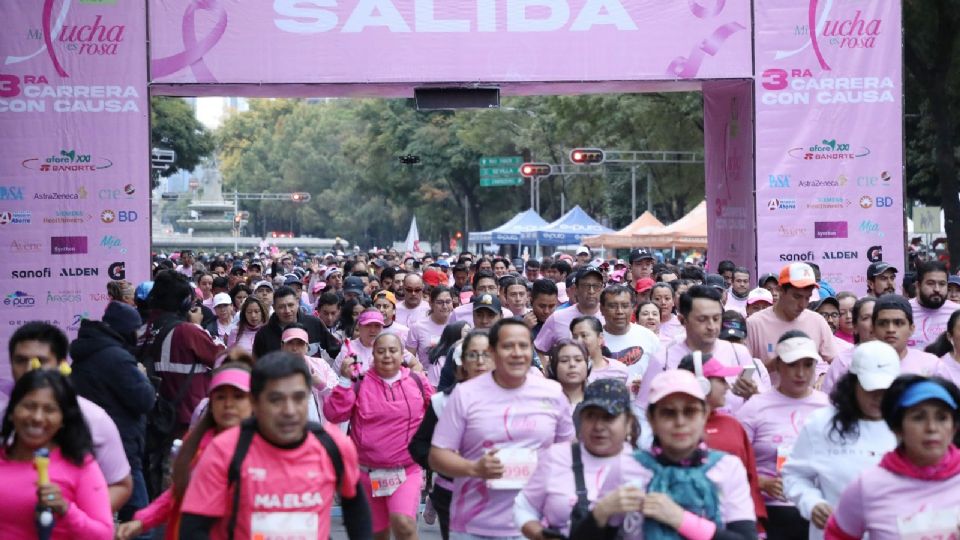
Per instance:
x=237, y=378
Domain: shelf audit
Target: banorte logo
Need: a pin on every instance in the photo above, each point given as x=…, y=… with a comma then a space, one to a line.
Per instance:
x=829, y=149
x=67, y=161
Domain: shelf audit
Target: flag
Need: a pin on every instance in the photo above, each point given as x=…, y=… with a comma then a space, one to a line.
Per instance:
x=412, y=243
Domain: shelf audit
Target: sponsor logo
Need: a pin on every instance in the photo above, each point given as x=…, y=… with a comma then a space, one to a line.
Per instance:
x=866, y=202
x=11, y=193
x=117, y=270
x=32, y=273
x=122, y=216
x=781, y=204
x=828, y=203
x=67, y=161
x=875, y=254
x=81, y=193
x=68, y=245
x=871, y=227
x=113, y=194
x=19, y=299
x=872, y=181
x=108, y=216
x=25, y=246
x=62, y=217
x=79, y=271
x=779, y=180
x=839, y=255
x=829, y=150
x=840, y=181
x=789, y=231
x=64, y=297
x=797, y=257
x=34, y=94
x=99, y=297
x=15, y=218
x=830, y=229
x=111, y=243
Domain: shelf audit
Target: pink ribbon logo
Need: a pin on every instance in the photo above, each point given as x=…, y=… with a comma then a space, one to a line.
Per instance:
x=687, y=67
x=193, y=50
x=48, y=37
x=812, y=24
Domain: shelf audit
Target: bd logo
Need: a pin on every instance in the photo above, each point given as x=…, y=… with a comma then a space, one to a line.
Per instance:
x=884, y=202
x=126, y=216
x=117, y=270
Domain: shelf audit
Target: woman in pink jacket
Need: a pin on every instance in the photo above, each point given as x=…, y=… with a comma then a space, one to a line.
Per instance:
x=385, y=407
x=253, y=315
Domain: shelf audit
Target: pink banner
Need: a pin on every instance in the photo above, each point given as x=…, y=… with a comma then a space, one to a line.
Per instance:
x=728, y=140
x=422, y=41
x=830, y=155
x=74, y=199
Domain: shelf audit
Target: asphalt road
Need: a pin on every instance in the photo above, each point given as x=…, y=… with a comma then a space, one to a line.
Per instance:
x=427, y=532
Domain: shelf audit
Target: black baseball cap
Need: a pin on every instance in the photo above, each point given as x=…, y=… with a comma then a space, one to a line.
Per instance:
x=716, y=281
x=825, y=300
x=879, y=267
x=587, y=270
x=639, y=255
x=611, y=395
x=487, y=301
x=353, y=284
x=767, y=277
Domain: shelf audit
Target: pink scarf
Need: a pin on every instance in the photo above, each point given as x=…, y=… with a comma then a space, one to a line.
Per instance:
x=896, y=462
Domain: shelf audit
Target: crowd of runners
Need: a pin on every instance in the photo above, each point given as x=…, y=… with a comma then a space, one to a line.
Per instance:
x=257, y=395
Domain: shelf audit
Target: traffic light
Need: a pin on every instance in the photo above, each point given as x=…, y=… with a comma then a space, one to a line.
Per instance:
x=458, y=235
x=532, y=170
x=300, y=196
x=587, y=156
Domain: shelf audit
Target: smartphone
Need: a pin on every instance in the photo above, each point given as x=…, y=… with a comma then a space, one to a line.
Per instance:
x=748, y=372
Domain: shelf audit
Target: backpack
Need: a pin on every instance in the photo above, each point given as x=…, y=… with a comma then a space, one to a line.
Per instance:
x=689, y=487
x=247, y=430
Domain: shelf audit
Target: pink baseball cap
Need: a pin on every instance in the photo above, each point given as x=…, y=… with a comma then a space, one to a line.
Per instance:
x=370, y=317
x=675, y=381
x=295, y=333
x=238, y=378
x=716, y=368
x=759, y=295
x=644, y=284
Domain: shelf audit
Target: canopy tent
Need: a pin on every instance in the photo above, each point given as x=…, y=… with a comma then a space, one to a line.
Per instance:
x=690, y=231
x=646, y=223
x=510, y=232
x=570, y=228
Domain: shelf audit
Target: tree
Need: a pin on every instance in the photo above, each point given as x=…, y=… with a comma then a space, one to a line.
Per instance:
x=174, y=127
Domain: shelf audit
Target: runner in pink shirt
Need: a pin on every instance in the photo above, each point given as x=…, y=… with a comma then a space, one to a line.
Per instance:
x=949, y=365
x=862, y=314
x=893, y=323
x=914, y=493
x=758, y=300
x=588, y=331
x=484, y=282
x=773, y=421
x=663, y=295
x=570, y=366
x=589, y=282
x=931, y=309
x=639, y=501
x=739, y=291
x=425, y=333
x=413, y=308
x=491, y=431
x=790, y=312
x=845, y=327
x=386, y=303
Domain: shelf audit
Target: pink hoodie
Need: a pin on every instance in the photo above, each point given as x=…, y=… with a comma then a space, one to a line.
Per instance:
x=383, y=417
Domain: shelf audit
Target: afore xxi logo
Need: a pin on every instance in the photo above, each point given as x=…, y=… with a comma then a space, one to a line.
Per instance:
x=67, y=161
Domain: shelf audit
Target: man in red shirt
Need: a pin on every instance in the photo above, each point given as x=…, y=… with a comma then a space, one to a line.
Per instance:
x=287, y=478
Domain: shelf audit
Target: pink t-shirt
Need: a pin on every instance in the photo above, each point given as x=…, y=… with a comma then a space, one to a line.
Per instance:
x=89, y=515
x=409, y=317
x=557, y=326
x=398, y=330
x=879, y=501
x=929, y=323
x=481, y=415
x=948, y=368
x=919, y=362
x=838, y=368
x=613, y=370
x=772, y=422
x=282, y=491
x=424, y=336
x=764, y=329
x=672, y=329
x=736, y=304
x=364, y=355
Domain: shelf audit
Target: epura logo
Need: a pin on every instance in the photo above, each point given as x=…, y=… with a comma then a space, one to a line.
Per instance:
x=19, y=299
x=68, y=245
x=25, y=246
x=117, y=270
x=875, y=254
x=839, y=255
x=782, y=204
x=111, y=243
x=15, y=218
x=829, y=150
x=33, y=273
x=797, y=257
x=67, y=161
x=64, y=297
x=871, y=227
x=830, y=229
x=11, y=193
x=788, y=231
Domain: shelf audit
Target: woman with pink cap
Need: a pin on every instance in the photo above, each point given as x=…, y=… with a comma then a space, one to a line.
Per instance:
x=359, y=352
x=425, y=333
x=679, y=487
x=385, y=407
x=229, y=405
x=914, y=492
x=773, y=420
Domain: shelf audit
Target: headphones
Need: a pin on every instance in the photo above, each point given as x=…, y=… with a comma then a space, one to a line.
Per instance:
x=698, y=372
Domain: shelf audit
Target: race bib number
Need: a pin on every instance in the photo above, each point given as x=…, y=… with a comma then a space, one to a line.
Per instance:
x=518, y=467
x=285, y=525
x=783, y=453
x=931, y=525
x=386, y=481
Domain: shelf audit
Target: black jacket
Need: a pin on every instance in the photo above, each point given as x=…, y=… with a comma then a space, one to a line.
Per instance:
x=267, y=339
x=106, y=373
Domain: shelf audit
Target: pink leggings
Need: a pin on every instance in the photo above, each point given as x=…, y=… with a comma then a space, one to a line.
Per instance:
x=405, y=500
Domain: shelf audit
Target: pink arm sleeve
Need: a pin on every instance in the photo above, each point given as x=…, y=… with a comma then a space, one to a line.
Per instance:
x=89, y=516
x=157, y=512
x=338, y=407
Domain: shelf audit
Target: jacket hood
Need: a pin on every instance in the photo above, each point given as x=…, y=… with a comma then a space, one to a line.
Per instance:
x=93, y=337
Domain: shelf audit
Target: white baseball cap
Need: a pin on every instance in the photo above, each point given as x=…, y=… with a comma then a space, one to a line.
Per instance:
x=796, y=348
x=583, y=250
x=876, y=364
x=221, y=299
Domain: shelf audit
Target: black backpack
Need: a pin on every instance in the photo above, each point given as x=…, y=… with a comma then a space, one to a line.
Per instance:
x=247, y=430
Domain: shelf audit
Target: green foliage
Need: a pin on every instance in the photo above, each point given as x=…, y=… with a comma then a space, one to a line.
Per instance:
x=344, y=152
x=174, y=127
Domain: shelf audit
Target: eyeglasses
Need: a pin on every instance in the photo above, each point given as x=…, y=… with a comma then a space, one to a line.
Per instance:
x=475, y=356
x=830, y=315
x=443, y=302
x=413, y=291
x=590, y=286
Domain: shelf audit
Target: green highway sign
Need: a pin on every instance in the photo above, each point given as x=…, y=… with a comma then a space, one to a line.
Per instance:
x=497, y=171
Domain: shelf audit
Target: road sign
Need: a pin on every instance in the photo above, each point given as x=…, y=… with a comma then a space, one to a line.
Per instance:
x=497, y=171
